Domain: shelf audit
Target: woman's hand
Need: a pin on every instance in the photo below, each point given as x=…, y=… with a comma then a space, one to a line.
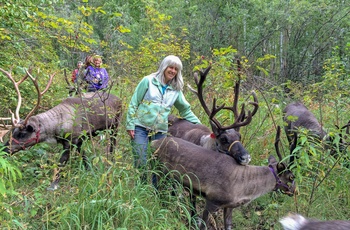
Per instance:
x=131, y=133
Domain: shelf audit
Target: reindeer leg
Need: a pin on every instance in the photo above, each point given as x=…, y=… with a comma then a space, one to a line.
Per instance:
x=209, y=208
x=113, y=142
x=85, y=159
x=228, y=218
x=62, y=162
x=193, y=202
x=205, y=219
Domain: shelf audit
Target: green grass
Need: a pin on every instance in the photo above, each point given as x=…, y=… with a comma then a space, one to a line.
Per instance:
x=111, y=196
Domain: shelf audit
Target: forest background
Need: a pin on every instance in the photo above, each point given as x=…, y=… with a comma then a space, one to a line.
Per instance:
x=290, y=51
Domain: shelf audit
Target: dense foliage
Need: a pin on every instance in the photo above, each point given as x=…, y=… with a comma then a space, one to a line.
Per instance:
x=290, y=50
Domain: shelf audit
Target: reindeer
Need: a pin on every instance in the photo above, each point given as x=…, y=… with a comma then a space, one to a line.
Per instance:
x=224, y=139
x=303, y=118
x=298, y=222
x=296, y=116
x=218, y=178
x=63, y=123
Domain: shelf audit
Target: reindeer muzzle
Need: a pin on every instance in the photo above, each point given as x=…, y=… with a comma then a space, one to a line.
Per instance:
x=239, y=153
x=291, y=189
x=286, y=189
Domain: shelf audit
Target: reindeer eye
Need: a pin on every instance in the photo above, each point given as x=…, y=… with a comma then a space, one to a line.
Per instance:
x=223, y=140
x=291, y=177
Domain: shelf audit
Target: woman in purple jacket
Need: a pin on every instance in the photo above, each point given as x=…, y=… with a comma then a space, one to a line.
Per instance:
x=96, y=77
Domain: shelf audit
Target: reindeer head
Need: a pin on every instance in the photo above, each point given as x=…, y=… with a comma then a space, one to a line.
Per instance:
x=343, y=142
x=227, y=137
x=23, y=136
x=24, y=133
x=284, y=177
x=229, y=142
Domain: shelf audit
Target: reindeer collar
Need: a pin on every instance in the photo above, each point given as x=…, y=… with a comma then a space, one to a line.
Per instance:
x=229, y=148
x=279, y=183
x=23, y=145
x=212, y=135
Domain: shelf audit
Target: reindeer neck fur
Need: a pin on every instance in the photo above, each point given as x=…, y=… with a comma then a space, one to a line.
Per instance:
x=208, y=142
x=69, y=116
x=250, y=182
x=53, y=121
x=195, y=133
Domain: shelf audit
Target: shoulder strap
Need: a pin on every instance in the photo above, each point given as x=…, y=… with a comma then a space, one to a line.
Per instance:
x=87, y=72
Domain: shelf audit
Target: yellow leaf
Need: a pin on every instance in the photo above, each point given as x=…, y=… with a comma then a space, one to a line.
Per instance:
x=123, y=29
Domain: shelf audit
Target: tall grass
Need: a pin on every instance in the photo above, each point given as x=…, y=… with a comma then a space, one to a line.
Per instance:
x=110, y=194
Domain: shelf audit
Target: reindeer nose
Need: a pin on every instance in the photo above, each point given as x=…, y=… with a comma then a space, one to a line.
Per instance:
x=245, y=159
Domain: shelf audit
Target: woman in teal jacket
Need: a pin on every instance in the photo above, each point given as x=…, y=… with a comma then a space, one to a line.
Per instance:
x=150, y=106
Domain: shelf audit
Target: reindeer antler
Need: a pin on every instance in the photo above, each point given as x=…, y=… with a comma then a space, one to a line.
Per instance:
x=15, y=116
x=199, y=93
x=240, y=118
x=277, y=141
x=40, y=94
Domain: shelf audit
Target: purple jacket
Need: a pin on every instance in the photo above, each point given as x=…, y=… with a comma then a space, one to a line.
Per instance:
x=97, y=78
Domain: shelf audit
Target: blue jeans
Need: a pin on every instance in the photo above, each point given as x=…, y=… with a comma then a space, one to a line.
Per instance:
x=140, y=146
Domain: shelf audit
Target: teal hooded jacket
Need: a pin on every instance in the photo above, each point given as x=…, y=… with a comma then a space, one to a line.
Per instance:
x=151, y=105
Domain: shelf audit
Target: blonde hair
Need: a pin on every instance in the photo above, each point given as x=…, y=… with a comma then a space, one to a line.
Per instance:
x=171, y=60
x=96, y=57
x=89, y=60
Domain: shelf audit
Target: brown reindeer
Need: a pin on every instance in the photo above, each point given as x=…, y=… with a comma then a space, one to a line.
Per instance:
x=224, y=139
x=298, y=222
x=297, y=116
x=218, y=178
x=64, y=123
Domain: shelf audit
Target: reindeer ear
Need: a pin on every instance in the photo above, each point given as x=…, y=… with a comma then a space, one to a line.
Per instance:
x=272, y=160
x=214, y=128
x=281, y=167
